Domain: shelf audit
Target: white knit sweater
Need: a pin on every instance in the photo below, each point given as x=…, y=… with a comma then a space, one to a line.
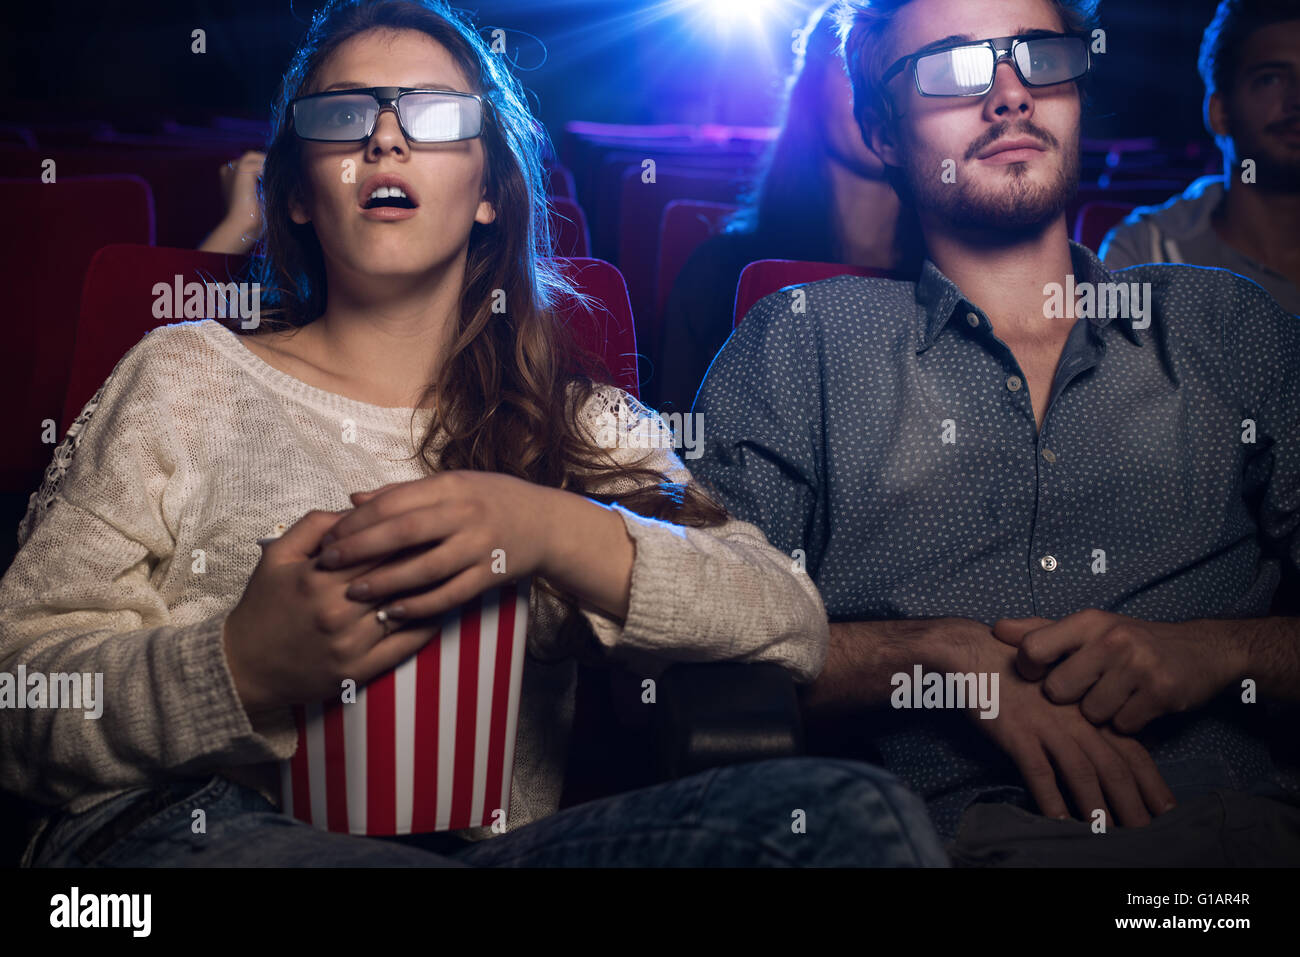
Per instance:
x=143, y=536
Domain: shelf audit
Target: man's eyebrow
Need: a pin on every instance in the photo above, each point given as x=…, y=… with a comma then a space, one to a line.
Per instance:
x=946, y=41
x=968, y=38
x=1270, y=65
x=353, y=85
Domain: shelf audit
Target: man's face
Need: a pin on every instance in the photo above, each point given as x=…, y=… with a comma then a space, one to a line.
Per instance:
x=1261, y=109
x=953, y=149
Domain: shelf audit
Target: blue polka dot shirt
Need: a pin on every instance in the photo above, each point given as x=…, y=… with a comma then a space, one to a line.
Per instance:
x=881, y=430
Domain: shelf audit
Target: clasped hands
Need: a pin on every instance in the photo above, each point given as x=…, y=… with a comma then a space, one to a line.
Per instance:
x=1083, y=686
x=1122, y=671
x=451, y=536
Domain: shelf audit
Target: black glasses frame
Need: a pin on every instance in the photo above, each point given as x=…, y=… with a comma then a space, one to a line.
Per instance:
x=1004, y=48
x=386, y=98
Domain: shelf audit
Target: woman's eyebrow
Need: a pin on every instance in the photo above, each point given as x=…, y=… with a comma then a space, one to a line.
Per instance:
x=356, y=85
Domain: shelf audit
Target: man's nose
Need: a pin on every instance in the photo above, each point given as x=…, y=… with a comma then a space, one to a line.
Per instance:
x=1009, y=98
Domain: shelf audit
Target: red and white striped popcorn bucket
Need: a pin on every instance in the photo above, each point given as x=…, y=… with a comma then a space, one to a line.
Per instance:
x=428, y=746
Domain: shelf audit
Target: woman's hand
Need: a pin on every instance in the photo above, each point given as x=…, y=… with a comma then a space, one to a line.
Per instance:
x=471, y=531
x=294, y=637
x=242, y=225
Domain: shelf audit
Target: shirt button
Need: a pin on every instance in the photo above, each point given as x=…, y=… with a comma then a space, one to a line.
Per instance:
x=1048, y=563
x=973, y=319
x=1049, y=455
x=1013, y=383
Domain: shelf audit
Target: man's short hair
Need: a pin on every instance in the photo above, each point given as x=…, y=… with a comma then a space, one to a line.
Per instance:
x=1233, y=23
x=862, y=27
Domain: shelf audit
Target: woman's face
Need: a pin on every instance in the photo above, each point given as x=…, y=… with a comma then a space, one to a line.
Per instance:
x=843, y=135
x=445, y=180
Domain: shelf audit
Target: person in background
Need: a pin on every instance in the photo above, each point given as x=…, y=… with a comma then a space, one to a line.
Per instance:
x=242, y=226
x=821, y=196
x=1248, y=219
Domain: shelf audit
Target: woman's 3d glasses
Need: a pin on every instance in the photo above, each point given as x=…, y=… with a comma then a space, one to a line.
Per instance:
x=425, y=116
x=967, y=69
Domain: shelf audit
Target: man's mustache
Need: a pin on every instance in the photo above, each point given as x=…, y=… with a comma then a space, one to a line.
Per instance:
x=1003, y=130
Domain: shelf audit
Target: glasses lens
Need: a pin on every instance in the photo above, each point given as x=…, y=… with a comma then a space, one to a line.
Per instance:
x=341, y=117
x=440, y=117
x=1049, y=60
x=957, y=72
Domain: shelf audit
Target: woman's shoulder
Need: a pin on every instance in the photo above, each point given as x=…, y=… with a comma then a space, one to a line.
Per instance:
x=607, y=402
x=151, y=374
x=634, y=433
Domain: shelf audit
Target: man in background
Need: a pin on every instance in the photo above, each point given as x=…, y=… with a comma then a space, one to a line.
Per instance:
x=1248, y=219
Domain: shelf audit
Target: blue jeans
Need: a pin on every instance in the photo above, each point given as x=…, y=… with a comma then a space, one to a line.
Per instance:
x=854, y=814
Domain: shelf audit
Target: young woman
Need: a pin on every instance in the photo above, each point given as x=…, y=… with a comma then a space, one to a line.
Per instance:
x=393, y=228
x=822, y=195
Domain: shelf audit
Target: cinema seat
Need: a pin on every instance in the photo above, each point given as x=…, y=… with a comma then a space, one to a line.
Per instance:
x=641, y=211
x=569, y=233
x=686, y=224
x=559, y=181
x=57, y=229
x=758, y=279
x=117, y=311
x=1096, y=219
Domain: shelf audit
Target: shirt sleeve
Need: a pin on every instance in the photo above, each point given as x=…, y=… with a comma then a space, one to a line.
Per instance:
x=762, y=411
x=1264, y=341
x=79, y=599
x=700, y=594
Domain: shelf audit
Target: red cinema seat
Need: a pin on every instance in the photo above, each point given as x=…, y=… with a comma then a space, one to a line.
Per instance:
x=687, y=223
x=758, y=279
x=641, y=208
x=1096, y=219
x=569, y=233
x=55, y=230
x=185, y=182
x=117, y=311
x=1146, y=193
x=559, y=181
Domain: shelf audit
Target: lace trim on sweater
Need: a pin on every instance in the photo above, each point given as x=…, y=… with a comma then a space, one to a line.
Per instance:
x=43, y=498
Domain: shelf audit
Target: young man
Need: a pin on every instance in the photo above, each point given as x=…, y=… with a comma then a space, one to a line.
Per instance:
x=1077, y=520
x=1248, y=219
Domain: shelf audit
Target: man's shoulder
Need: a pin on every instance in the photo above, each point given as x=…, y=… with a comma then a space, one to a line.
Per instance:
x=866, y=302
x=1188, y=285
x=1209, y=301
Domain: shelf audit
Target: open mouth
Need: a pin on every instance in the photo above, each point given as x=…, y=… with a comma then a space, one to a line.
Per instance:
x=386, y=196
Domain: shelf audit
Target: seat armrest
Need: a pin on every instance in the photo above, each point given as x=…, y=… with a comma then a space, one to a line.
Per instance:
x=718, y=713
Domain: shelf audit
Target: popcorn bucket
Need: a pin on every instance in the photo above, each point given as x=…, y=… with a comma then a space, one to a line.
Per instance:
x=428, y=746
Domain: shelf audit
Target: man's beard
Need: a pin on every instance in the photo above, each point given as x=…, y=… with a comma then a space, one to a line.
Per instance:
x=1014, y=203
x=1276, y=170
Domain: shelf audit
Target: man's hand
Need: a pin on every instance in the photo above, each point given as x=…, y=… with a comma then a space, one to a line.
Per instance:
x=1121, y=670
x=1100, y=769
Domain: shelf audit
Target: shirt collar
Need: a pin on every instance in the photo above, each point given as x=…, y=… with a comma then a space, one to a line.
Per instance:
x=939, y=297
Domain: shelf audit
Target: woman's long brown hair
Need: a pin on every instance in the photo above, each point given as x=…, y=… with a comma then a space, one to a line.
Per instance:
x=509, y=392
